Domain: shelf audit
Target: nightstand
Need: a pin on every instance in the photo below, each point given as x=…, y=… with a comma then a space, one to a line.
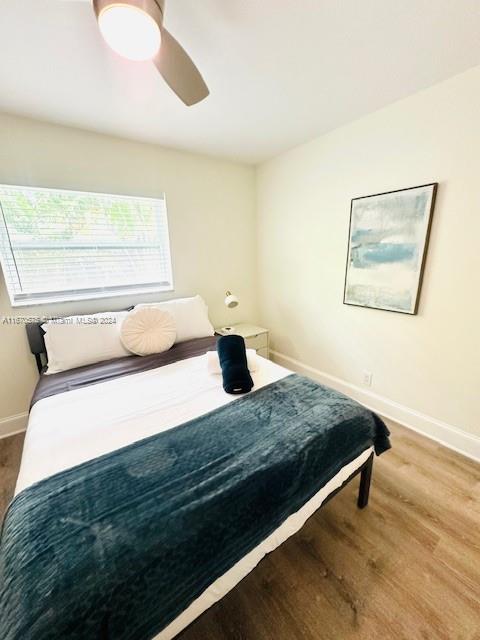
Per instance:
x=255, y=337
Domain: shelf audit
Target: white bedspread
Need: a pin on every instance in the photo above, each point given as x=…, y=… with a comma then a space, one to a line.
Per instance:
x=73, y=427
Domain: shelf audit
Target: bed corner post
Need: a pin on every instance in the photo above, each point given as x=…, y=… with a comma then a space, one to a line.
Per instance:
x=365, y=479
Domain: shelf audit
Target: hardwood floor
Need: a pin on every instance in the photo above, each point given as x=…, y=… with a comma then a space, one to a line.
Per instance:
x=10, y=454
x=407, y=566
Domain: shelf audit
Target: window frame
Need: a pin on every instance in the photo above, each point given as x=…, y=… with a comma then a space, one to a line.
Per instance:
x=91, y=293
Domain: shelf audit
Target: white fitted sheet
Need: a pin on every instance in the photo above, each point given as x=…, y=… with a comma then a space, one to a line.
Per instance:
x=74, y=427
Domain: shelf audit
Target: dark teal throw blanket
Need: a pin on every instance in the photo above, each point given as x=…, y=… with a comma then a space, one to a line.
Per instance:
x=118, y=547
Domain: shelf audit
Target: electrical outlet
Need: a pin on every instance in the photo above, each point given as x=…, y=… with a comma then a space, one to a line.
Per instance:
x=367, y=378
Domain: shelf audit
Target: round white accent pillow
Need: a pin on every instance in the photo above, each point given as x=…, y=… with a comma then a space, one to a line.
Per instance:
x=148, y=330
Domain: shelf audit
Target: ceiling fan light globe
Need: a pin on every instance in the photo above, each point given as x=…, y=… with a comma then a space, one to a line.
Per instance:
x=129, y=31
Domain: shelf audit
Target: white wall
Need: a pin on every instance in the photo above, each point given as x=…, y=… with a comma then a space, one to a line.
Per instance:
x=211, y=209
x=425, y=364
x=426, y=368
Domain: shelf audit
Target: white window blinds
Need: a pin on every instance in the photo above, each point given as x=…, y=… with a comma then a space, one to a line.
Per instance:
x=60, y=245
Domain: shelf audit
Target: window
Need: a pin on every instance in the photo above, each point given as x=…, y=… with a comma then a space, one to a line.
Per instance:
x=71, y=245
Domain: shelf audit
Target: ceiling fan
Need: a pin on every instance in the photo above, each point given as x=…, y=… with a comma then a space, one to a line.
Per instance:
x=134, y=29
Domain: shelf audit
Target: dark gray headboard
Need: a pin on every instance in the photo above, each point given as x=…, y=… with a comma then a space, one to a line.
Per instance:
x=35, y=335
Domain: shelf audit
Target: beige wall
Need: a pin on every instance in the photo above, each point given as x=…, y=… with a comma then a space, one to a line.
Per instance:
x=429, y=363
x=211, y=208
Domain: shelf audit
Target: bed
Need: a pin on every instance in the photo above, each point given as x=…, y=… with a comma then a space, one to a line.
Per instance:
x=146, y=493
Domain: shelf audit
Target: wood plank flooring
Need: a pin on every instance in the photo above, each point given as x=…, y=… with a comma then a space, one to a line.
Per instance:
x=407, y=566
x=10, y=454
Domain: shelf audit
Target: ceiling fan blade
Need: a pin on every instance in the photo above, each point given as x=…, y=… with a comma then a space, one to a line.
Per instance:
x=179, y=71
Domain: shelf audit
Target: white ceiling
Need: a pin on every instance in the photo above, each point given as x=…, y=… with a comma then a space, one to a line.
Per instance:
x=280, y=71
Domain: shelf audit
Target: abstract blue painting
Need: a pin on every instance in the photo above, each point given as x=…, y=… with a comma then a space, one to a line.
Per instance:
x=387, y=246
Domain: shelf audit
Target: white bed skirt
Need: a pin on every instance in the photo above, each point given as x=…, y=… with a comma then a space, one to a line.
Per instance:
x=243, y=567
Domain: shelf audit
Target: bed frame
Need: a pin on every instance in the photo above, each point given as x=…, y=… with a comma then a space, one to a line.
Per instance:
x=365, y=471
x=36, y=342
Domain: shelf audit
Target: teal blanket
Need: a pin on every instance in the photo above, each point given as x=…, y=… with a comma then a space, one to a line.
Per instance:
x=118, y=547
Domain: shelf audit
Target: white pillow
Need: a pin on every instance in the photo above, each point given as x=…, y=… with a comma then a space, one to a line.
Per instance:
x=148, y=330
x=190, y=316
x=80, y=340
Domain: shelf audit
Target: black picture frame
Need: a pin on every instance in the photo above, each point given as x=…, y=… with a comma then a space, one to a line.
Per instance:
x=434, y=186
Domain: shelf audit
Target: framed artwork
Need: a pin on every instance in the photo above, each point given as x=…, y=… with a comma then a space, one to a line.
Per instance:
x=387, y=245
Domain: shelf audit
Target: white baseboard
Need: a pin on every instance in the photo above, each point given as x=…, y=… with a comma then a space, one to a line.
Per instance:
x=442, y=432
x=13, y=425
x=446, y=434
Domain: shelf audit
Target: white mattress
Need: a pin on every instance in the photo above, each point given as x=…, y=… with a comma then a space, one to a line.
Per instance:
x=74, y=427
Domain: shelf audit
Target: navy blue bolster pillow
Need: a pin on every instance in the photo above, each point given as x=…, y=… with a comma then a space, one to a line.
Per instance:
x=233, y=361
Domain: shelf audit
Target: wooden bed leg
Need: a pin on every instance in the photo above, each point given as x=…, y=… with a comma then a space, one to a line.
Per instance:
x=365, y=479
